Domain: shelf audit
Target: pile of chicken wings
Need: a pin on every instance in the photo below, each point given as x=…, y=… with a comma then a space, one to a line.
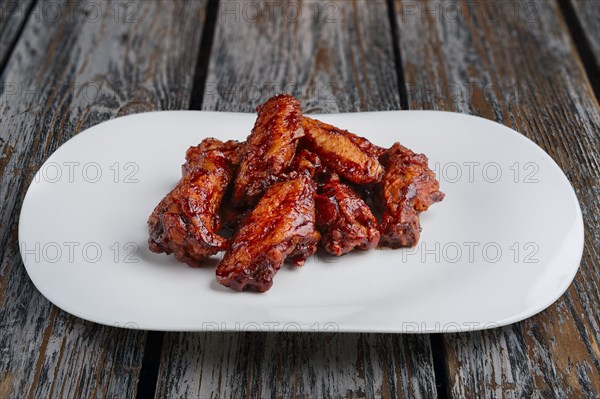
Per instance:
x=294, y=183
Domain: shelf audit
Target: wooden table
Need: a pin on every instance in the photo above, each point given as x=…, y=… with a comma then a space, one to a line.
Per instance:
x=66, y=66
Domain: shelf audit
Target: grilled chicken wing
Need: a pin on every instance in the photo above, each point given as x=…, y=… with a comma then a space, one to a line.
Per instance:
x=281, y=225
x=186, y=221
x=270, y=148
x=409, y=188
x=295, y=182
x=352, y=157
x=344, y=219
x=232, y=149
x=232, y=218
x=362, y=143
x=308, y=163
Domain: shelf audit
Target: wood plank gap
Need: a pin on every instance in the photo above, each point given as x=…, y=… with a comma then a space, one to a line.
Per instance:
x=154, y=341
x=436, y=340
x=402, y=91
x=201, y=72
x=336, y=57
x=584, y=47
x=15, y=40
x=146, y=387
x=438, y=352
x=44, y=350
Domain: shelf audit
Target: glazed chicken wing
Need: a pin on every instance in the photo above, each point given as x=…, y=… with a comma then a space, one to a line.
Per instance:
x=270, y=148
x=186, y=221
x=352, y=157
x=361, y=142
x=308, y=163
x=233, y=150
x=232, y=218
x=295, y=182
x=409, y=187
x=344, y=219
x=281, y=225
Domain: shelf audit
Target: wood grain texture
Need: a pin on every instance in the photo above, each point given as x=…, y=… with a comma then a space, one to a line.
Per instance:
x=304, y=365
x=518, y=66
x=347, y=47
x=335, y=56
x=588, y=13
x=12, y=17
x=71, y=70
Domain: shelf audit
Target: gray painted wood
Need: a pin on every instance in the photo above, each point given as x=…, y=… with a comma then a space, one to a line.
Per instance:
x=252, y=59
x=588, y=13
x=12, y=17
x=518, y=67
x=336, y=56
x=69, y=71
x=305, y=365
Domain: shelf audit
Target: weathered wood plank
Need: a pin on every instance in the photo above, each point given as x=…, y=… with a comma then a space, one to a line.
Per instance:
x=294, y=365
x=86, y=63
x=513, y=62
x=335, y=56
x=340, y=59
x=588, y=13
x=12, y=17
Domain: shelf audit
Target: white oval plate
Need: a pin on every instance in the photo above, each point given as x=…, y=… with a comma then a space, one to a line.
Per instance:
x=504, y=244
